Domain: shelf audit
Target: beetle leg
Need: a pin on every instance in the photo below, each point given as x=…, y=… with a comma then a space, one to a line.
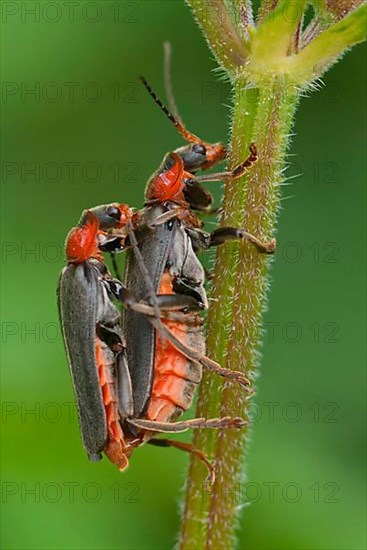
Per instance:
x=188, y=449
x=219, y=236
x=223, y=234
x=178, y=302
x=143, y=270
x=198, y=197
x=143, y=230
x=124, y=386
x=184, y=425
x=172, y=307
x=166, y=302
x=112, y=243
x=237, y=172
x=127, y=298
x=188, y=287
x=110, y=337
x=190, y=353
x=195, y=355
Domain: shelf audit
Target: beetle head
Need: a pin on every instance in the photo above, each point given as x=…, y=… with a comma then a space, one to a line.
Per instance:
x=200, y=155
x=110, y=216
x=82, y=241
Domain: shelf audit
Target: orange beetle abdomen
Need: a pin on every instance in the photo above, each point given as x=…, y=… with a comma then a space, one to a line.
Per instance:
x=175, y=376
x=116, y=449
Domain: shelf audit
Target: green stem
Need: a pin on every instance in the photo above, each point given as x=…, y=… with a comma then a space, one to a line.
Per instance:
x=271, y=125
x=328, y=46
x=266, y=7
x=268, y=74
x=264, y=116
x=225, y=42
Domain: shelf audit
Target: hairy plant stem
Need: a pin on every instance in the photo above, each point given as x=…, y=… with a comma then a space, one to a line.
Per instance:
x=268, y=65
x=225, y=41
x=263, y=115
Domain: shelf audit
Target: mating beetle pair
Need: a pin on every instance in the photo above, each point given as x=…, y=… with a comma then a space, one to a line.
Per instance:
x=133, y=380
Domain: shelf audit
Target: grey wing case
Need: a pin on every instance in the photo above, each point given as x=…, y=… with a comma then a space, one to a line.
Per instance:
x=168, y=245
x=139, y=333
x=78, y=298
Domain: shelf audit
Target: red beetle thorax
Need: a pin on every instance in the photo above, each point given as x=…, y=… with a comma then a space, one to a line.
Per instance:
x=168, y=184
x=81, y=243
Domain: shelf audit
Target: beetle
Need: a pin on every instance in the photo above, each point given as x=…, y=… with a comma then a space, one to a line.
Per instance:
x=198, y=155
x=163, y=380
x=102, y=376
x=92, y=334
x=176, y=181
x=164, y=376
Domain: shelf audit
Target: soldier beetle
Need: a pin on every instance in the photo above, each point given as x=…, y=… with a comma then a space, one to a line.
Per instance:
x=134, y=381
x=197, y=154
x=110, y=388
x=164, y=378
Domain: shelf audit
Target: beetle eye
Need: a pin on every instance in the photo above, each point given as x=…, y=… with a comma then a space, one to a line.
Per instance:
x=199, y=148
x=114, y=212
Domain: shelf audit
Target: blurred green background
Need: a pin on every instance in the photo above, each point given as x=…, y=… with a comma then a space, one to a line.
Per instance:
x=91, y=135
